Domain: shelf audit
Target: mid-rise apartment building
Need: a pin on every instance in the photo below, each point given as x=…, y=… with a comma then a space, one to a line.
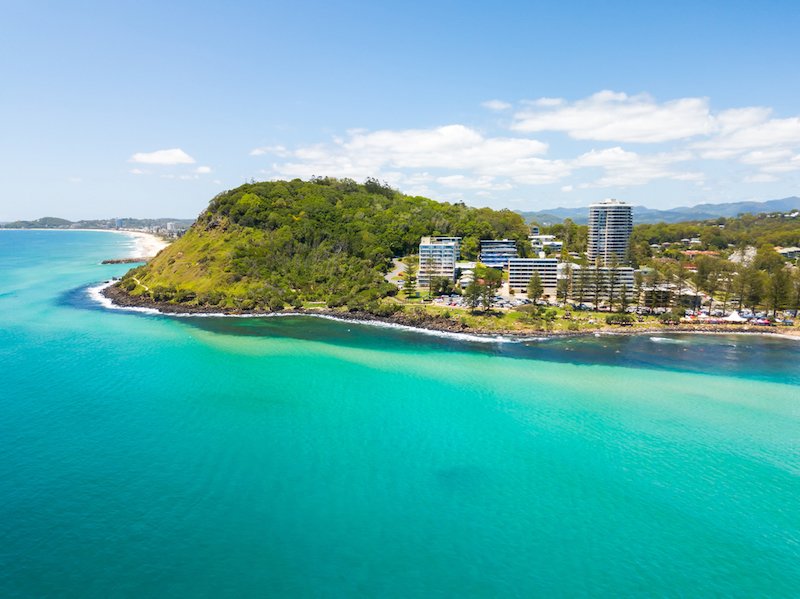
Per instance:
x=497, y=252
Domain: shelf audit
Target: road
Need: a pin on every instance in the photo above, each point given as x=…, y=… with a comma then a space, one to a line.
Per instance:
x=398, y=267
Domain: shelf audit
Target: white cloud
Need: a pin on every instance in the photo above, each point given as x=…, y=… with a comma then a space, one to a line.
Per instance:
x=137, y=171
x=772, y=133
x=739, y=118
x=612, y=116
x=451, y=147
x=496, y=105
x=462, y=182
x=277, y=150
x=458, y=160
x=202, y=170
x=163, y=157
x=624, y=168
x=75, y=180
x=548, y=102
x=766, y=157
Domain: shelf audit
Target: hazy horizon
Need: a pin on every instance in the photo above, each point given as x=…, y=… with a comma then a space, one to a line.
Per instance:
x=161, y=217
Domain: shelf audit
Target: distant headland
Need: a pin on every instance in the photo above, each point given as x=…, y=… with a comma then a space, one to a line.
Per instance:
x=366, y=251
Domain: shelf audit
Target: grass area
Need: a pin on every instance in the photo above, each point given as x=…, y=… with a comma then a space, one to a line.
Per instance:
x=515, y=320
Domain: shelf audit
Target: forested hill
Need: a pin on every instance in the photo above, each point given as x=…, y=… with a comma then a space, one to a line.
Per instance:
x=265, y=245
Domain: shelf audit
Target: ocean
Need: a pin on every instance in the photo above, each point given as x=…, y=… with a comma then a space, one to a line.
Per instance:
x=144, y=455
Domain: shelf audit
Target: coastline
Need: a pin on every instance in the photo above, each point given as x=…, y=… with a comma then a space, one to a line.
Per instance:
x=113, y=297
x=146, y=245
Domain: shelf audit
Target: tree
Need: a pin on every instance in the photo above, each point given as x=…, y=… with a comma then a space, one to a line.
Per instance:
x=749, y=286
x=795, y=301
x=535, y=288
x=598, y=283
x=443, y=286
x=779, y=289
x=638, y=285
x=489, y=280
x=472, y=295
x=623, y=298
x=707, y=277
x=487, y=296
x=410, y=282
x=562, y=290
x=679, y=274
x=613, y=282
x=727, y=285
x=582, y=283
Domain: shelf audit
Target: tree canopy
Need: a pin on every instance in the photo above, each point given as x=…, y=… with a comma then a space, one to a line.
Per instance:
x=262, y=245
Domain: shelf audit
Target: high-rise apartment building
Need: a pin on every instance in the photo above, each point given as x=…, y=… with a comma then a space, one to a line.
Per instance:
x=610, y=228
x=437, y=259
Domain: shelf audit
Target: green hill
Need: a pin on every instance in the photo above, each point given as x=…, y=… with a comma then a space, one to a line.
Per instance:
x=265, y=245
x=47, y=222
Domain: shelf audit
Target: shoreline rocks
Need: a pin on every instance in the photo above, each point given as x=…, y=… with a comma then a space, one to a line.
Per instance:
x=435, y=323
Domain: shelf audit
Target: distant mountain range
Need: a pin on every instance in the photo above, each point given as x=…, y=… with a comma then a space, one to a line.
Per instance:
x=642, y=214
x=51, y=222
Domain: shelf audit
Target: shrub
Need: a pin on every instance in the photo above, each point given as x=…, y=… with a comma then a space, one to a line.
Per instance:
x=275, y=302
x=620, y=319
x=183, y=296
x=384, y=308
x=671, y=317
x=162, y=294
x=212, y=298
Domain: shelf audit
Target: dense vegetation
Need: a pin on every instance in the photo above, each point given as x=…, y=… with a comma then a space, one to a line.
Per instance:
x=265, y=245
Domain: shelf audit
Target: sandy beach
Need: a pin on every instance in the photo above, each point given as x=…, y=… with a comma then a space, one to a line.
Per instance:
x=146, y=245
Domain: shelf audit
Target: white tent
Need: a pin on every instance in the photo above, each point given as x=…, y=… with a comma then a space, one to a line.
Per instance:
x=734, y=317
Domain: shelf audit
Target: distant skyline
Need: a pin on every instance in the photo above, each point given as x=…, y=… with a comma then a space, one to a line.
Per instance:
x=150, y=109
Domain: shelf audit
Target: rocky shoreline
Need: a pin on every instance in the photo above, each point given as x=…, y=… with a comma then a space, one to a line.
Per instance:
x=429, y=322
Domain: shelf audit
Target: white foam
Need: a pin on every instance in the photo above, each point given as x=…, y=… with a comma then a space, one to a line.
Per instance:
x=95, y=293
x=666, y=340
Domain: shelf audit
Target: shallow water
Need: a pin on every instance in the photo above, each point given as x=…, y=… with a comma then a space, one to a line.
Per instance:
x=153, y=455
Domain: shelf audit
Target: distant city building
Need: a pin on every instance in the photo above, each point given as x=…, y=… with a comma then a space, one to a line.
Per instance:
x=545, y=243
x=520, y=271
x=465, y=271
x=790, y=253
x=534, y=230
x=497, y=252
x=610, y=228
x=437, y=259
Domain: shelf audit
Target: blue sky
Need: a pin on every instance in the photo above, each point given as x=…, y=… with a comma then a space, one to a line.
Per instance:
x=151, y=108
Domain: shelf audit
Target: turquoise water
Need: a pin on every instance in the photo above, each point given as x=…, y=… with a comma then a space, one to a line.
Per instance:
x=154, y=456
